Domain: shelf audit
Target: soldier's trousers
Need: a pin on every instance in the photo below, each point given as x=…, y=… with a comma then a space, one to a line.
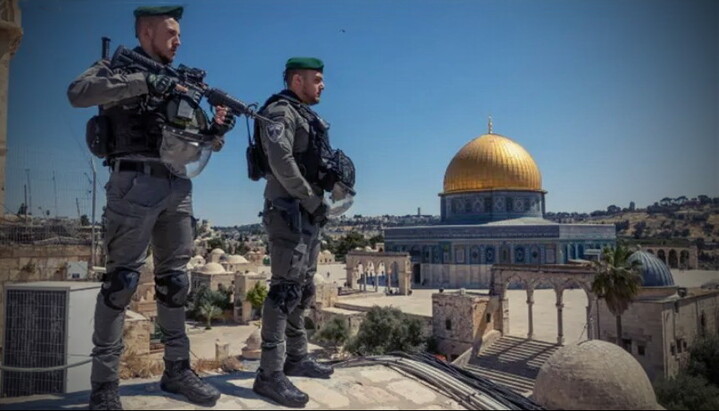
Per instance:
x=143, y=209
x=293, y=256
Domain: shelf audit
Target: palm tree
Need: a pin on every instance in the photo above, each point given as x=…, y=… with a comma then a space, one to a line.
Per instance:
x=617, y=281
x=210, y=311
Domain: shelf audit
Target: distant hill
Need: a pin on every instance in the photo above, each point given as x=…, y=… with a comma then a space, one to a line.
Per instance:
x=678, y=221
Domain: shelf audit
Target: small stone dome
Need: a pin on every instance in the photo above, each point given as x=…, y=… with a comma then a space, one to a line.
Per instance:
x=212, y=268
x=594, y=375
x=217, y=251
x=236, y=259
x=253, y=346
x=654, y=272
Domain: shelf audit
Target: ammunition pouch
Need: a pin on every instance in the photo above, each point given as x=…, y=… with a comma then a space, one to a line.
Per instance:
x=98, y=134
x=256, y=169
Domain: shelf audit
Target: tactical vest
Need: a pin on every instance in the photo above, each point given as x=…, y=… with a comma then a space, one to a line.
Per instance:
x=309, y=161
x=135, y=124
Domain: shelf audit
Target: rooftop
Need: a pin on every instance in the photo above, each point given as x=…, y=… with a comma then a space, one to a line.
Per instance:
x=355, y=385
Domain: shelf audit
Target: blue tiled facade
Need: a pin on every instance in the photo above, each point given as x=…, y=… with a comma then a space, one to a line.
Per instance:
x=493, y=205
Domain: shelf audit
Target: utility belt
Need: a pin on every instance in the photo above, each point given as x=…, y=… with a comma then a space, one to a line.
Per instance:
x=151, y=168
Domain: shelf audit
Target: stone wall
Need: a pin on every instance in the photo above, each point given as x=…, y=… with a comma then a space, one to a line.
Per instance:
x=26, y=263
x=460, y=320
x=456, y=275
x=659, y=332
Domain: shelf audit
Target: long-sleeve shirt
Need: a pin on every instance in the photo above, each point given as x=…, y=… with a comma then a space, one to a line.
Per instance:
x=286, y=179
x=100, y=85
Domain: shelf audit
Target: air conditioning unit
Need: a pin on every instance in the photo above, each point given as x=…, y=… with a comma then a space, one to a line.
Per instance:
x=48, y=324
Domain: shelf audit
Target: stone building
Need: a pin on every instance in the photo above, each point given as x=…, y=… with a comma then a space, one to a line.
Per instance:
x=675, y=257
x=212, y=275
x=461, y=320
x=237, y=264
x=663, y=321
x=325, y=257
x=492, y=211
x=10, y=38
x=216, y=255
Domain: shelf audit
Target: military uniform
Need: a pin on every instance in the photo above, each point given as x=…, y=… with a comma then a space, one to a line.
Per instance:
x=293, y=237
x=293, y=219
x=146, y=204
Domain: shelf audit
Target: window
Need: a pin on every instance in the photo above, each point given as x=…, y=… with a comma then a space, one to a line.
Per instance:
x=489, y=318
x=448, y=324
x=641, y=350
x=679, y=346
x=627, y=344
x=673, y=349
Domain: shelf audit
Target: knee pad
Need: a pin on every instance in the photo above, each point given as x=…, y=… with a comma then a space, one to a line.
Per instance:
x=308, y=291
x=172, y=290
x=286, y=297
x=118, y=288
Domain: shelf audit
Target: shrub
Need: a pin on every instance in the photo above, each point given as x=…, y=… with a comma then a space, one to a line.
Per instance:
x=387, y=329
x=704, y=359
x=257, y=295
x=335, y=332
x=687, y=392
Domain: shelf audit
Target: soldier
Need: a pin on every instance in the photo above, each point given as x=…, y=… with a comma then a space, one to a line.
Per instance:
x=146, y=204
x=293, y=216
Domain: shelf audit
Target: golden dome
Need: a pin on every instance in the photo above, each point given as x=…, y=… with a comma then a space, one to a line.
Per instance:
x=492, y=162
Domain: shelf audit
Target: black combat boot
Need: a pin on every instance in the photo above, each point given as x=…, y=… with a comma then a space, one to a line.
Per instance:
x=179, y=378
x=307, y=367
x=104, y=396
x=279, y=388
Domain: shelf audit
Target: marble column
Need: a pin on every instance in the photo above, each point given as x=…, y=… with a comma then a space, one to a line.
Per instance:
x=560, y=318
x=530, y=305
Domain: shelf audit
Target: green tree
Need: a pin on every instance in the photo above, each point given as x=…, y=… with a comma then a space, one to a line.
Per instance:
x=257, y=295
x=349, y=242
x=379, y=238
x=209, y=311
x=335, y=332
x=242, y=249
x=687, y=392
x=84, y=220
x=203, y=295
x=704, y=359
x=216, y=243
x=387, y=329
x=617, y=281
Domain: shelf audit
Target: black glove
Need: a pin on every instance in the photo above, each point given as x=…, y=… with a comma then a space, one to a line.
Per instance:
x=227, y=124
x=319, y=216
x=160, y=84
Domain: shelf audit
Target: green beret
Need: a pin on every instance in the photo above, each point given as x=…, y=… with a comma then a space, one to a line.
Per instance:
x=307, y=63
x=173, y=11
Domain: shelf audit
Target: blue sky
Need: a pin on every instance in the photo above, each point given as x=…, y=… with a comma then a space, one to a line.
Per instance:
x=616, y=101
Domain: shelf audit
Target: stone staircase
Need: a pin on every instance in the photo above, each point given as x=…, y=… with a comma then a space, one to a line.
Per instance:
x=513, y=362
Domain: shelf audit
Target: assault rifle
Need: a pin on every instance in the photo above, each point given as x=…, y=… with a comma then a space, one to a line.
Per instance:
x=191, y=79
